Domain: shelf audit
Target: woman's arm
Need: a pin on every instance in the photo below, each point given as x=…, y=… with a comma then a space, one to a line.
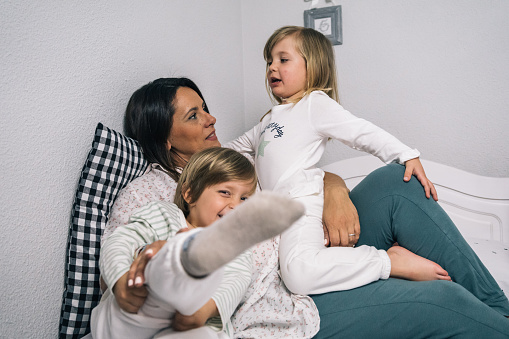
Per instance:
x=340, y=218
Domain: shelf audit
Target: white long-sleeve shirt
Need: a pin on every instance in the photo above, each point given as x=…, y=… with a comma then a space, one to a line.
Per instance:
x=287, y=144
x=291, y=139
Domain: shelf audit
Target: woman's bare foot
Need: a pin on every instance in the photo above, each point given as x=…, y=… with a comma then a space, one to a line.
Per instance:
x=410, y=266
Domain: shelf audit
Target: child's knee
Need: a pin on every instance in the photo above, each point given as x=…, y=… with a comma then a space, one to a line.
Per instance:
x=297, y=277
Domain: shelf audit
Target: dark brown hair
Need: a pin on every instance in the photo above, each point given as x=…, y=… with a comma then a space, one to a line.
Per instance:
x=149, y=119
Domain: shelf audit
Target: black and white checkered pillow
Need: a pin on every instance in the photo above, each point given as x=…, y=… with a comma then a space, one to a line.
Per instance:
x=113, y=162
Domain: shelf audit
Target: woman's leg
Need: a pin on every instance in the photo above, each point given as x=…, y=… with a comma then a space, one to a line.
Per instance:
x=391, y=210
x=397, y=308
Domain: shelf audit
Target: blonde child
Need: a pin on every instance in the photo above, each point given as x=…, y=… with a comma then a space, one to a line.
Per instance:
x=290, y=140
x=187, y=288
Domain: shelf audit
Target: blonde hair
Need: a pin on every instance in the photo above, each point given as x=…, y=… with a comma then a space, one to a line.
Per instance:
x=210, y=167
x=318, y=54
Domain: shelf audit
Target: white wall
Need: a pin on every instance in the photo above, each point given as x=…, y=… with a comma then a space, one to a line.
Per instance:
x=433, y=73
x=65, y=66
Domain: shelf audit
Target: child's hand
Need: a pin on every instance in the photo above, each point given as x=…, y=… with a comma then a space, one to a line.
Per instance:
x=130, y=299
x=188, y=322
x=414, y=167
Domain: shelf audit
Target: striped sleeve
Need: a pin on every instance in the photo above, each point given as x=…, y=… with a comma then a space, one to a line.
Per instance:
x=155, y=221
x=236, y=279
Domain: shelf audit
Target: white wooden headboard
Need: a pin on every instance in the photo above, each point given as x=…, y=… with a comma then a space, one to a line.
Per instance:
x=478, y=205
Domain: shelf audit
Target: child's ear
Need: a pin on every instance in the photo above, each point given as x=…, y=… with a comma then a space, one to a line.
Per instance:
x=186, y=194
x=168, y=145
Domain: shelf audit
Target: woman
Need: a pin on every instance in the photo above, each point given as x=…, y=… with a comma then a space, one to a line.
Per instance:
x=171, y=121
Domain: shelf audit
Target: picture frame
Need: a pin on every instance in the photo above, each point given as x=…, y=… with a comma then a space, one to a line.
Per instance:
x=326, y=20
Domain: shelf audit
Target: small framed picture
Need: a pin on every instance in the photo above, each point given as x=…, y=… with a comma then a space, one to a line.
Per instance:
x=326, y=20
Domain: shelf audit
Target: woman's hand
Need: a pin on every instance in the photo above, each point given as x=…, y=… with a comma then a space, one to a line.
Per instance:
x=129, y=298
x=198, y=319
x=136, y=274
x=414, y=167
x=129, y=290
x=340, y=219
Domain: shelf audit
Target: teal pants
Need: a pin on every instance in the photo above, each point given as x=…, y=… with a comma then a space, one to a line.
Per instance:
x=390, y=210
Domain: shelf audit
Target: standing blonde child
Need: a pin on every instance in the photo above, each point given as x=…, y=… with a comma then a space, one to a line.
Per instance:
x=290, y=140
x=188, y=291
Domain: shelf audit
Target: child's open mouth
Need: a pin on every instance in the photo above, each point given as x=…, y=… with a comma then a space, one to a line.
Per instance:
x=274, y=81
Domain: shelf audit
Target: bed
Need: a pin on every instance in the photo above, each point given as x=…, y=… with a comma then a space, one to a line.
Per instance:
x=478, y=205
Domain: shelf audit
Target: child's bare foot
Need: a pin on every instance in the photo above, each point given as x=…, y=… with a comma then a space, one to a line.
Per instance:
x=410, y=266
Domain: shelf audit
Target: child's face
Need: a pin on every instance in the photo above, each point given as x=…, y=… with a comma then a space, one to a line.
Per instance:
x=218, y=200
x=287, y=74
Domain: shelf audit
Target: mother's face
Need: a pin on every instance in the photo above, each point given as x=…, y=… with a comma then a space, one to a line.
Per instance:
x=193, y=128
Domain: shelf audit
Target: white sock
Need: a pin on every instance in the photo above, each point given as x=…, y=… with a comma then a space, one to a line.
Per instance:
x=263, y=216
